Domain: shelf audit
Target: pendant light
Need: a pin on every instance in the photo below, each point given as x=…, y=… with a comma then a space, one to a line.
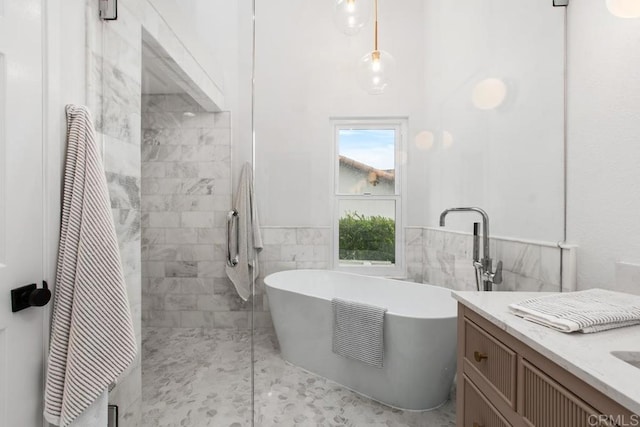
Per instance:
x=376, y=68
x=351, y=15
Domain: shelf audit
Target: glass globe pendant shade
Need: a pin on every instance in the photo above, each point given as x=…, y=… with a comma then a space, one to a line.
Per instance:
x=624, y=8
x=375, y=71
x=351, y=15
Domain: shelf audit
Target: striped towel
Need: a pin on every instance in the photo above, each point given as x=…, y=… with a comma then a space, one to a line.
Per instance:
x=587, y=311
x=358, y=331
x=92, y=337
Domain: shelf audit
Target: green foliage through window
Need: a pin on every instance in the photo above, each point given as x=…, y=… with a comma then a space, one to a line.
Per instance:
x=367, y=238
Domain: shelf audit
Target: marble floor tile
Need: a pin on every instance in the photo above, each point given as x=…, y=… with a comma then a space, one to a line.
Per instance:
x=201, y=377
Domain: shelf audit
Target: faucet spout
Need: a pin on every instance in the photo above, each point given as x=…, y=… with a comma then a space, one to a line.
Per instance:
x=485, y=225
x=487, y=266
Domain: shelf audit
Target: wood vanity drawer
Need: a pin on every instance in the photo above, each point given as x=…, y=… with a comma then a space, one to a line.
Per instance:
x=478, y=412
x=493, y=361
x=545, y=403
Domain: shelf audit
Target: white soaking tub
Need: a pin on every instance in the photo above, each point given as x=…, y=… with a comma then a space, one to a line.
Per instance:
x=419, y=334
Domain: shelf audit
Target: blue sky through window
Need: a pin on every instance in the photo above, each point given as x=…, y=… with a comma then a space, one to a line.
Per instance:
x=373, y=147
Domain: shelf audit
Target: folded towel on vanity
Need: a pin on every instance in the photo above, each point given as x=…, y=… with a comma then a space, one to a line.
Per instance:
x=92, y=336
x=358, y=331
x=587, y=311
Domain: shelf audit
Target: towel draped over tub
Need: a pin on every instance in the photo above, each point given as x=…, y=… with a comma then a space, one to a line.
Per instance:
x=92, y=336
x=358, y=331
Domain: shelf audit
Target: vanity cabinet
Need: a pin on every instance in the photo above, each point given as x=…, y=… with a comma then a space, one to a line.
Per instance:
x=502, y=382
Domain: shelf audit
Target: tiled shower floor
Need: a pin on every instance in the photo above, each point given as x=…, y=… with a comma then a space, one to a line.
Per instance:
x=196, y=377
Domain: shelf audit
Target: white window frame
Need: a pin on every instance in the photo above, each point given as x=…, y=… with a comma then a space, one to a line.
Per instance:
x=400, y=125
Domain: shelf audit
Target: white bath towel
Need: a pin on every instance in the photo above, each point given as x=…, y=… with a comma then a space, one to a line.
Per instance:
x=358, y=331
x=587, y=311
x=249, y=238
x=92, y=336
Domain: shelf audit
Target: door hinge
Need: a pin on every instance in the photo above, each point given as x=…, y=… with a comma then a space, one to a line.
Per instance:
x=112, y=420
x=560, y=3
x=108, y=9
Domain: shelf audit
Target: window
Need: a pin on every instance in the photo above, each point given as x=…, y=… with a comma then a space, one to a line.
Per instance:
x=368, y=204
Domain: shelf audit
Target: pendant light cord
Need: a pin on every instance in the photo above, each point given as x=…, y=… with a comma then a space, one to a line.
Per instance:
x=375, y=27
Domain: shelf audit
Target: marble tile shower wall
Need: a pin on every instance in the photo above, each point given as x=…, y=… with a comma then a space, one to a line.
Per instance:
x=186, y=194
x=113, y=55
x=444, y=258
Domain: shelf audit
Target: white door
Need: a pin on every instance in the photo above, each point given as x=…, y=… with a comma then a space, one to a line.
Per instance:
x=21, y=210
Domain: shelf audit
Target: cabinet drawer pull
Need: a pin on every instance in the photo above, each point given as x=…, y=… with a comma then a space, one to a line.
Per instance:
x=479, y=357
x=477, y=424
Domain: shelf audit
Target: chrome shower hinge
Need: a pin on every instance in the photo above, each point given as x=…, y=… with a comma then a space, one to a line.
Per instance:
x=560, y=3
x=108, y=9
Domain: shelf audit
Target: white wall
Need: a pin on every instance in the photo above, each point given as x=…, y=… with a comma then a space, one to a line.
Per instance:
x=604, y=141
x=305, y=74
x=508, y=160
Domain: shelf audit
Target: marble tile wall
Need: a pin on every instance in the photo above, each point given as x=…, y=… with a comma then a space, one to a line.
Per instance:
x=113, y=55
x=186, y=194
x=289, y=248
x=434, y=256
x=444, y=258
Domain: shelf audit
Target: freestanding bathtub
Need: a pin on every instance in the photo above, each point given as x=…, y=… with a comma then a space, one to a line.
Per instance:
x=419, y=334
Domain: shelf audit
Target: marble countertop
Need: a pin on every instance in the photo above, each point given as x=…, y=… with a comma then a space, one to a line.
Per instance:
x=587, y=356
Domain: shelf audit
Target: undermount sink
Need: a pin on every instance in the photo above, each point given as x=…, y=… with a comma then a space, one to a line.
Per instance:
x=631, y=357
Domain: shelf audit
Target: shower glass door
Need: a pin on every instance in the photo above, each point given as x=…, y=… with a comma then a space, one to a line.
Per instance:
x=164, y=86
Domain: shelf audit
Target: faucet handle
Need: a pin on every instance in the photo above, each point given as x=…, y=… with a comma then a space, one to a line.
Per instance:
x=497, y=276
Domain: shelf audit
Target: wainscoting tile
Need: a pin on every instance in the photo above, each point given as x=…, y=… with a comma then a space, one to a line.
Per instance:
x=312, y=265
x=279, y=236
x=520, y=258
x=413, y=237
x=550, y=266
x=413, y=254
x=274, y=267
x=313, y=236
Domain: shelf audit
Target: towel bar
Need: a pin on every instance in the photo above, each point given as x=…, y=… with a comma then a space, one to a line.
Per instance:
x=232, y=216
